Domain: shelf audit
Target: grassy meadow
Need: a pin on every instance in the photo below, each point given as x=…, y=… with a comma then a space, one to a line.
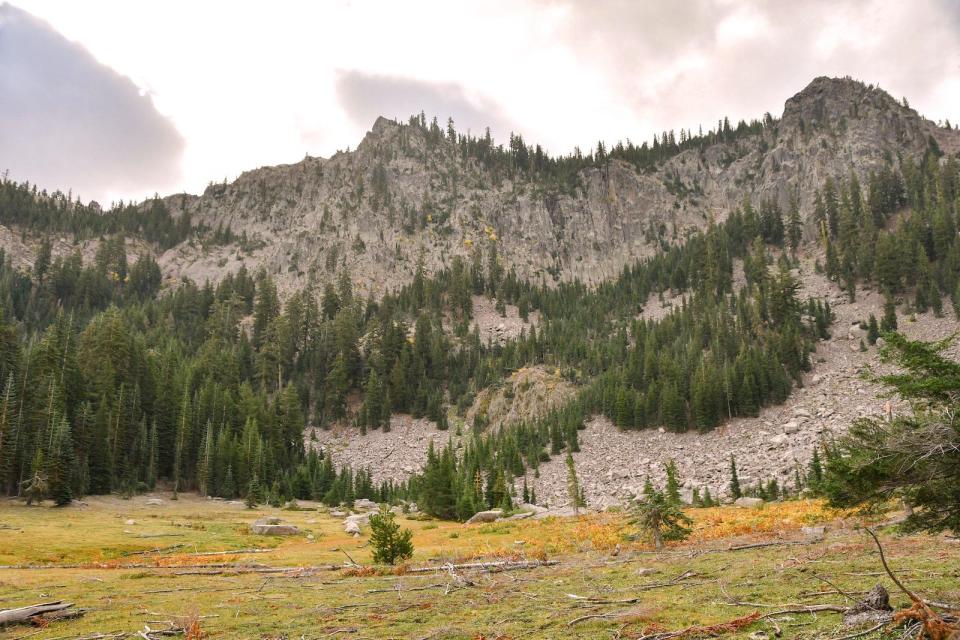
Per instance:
x=129, y=564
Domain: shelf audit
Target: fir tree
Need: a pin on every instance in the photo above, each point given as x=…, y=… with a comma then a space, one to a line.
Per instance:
x=672, y=492
x=735, y=490
x=660, y=518
x=390, y=543
x=873, y=330
x=573, y=486
x=889, y=321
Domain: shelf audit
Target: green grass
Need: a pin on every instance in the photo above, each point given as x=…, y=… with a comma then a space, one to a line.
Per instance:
x=122, y=592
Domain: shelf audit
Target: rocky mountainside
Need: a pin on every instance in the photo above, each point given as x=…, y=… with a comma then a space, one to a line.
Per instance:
x=401, y=197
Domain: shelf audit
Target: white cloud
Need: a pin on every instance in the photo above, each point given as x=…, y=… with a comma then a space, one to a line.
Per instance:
x=249, y=84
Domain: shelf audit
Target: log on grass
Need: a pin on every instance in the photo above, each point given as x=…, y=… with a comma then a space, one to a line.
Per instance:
x=28, y=614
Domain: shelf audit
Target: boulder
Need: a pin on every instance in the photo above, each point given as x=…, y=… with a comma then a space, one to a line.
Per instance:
x=338, y=514
x=485, y=516
x=154, y=502
x=526, y=506
x=791, y=427
x=365, y=505
x=272, y=527
x=352, y=527
x=360, y=518
x=747, y=503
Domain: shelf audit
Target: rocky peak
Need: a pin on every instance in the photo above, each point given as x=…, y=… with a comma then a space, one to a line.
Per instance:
x=383, y=124
x=402, y=196
x=829, y=100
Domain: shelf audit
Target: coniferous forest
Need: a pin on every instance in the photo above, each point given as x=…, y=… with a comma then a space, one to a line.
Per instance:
x=115, y=381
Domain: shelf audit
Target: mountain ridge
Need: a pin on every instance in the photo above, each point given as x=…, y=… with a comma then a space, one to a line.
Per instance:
x=400, y=198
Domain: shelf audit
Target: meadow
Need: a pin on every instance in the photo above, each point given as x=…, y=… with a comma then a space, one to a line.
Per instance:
x=193, y=564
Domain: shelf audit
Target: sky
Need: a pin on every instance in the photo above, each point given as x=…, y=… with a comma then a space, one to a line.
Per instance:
x=117, y=99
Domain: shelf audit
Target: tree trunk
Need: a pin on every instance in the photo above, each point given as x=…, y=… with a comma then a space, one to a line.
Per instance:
x=24, y=614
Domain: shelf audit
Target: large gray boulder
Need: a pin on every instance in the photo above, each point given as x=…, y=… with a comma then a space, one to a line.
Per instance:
x=365, y=505
x=485, y=516
x=747, y=503
x=272, y=527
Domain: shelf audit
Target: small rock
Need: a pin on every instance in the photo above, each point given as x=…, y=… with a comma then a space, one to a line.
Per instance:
x=130, y=522
x=154, y=502
x=791, y=427
x=647, y=571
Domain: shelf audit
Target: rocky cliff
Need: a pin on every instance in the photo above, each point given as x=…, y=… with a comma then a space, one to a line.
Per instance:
x=399, y=197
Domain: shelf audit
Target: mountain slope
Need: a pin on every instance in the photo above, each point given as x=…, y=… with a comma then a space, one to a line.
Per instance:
x=403, y=195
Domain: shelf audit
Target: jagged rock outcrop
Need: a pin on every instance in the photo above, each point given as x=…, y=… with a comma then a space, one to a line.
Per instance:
x=399, y=198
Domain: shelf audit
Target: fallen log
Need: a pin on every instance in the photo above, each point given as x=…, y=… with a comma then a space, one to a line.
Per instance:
x=32, y=613
x=503, y=565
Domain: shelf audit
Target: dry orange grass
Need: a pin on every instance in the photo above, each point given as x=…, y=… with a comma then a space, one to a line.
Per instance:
x=773, y=518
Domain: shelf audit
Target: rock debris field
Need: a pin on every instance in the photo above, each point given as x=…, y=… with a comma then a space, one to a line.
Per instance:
x=614, y=464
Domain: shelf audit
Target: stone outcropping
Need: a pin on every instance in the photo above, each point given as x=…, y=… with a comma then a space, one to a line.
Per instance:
x=401, y=196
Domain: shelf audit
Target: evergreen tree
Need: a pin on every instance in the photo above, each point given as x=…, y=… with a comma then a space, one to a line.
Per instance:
x=889, y=321
x=660, y=518
x=573, y=486
x=672, y=492
x=390, y=543
x=873, y=330
x=735, y=489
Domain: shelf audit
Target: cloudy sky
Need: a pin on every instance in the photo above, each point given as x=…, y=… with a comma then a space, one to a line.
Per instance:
x=123, y=99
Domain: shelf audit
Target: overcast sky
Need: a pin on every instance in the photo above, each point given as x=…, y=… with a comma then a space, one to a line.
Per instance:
x=114, y=98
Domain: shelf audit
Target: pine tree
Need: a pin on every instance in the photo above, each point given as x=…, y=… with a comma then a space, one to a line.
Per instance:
x=573, y=486
x=390, y=543
x=660, y=518
x=228, y=489
x=708, y=500
x=254, y=492
x=889, y=320
x=9, y=435
x=735, y=490
x=873, y=330
x=673, y=483
x=815, y=471
x=60, y=473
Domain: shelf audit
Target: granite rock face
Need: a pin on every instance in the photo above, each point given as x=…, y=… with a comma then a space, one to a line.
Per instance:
x=400, y=197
